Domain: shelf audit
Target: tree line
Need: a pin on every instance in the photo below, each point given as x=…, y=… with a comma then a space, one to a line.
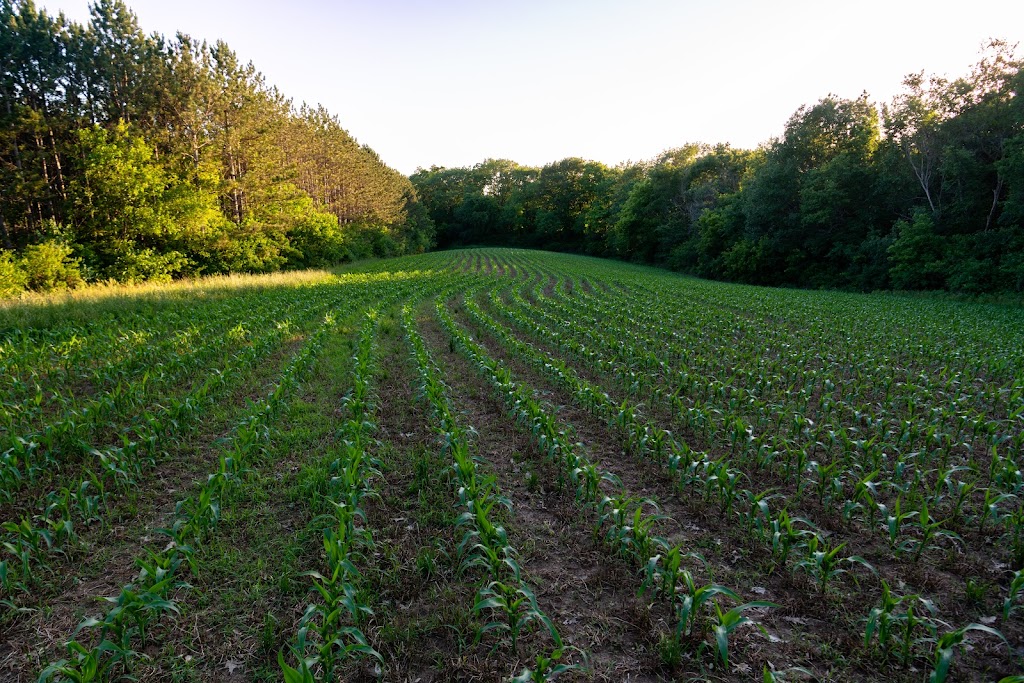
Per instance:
x=130, y=156
x=924, y=192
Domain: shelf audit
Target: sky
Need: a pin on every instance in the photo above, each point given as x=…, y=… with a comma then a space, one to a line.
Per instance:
x=454, y=82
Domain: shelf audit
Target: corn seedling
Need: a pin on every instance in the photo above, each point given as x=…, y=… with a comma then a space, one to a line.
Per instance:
x=824, y=564
x=894, y=627
x=516, y=608
x=724, y=623
x=946, y=647
x=1016, y=589
x=546, y=668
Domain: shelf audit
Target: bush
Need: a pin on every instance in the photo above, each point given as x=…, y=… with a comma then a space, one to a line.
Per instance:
x=132, y=265
x=744, y=260
x=1011, y=272
x=317, y=241
x=369, y=240
x=49, y=267
x=13, y=278
x=973, y=276
x=917, y=255
x=253, y=250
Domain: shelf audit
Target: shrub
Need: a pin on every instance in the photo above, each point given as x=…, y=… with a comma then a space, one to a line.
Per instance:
x=49, y=267
x=253, y=250
x=132, y=265
x=917, y=255
x=13, y=278
x=368, y=240
x=744, y=260
x=317, y=240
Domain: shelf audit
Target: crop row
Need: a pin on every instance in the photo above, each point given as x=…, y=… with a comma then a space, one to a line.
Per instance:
x=626, y=524
x=87, y=360
x=845, y=474
x=502, y=595
x=329, y=630
x=128, y=622
x=113, y=471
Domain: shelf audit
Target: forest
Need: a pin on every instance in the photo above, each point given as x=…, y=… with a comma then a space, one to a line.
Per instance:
x=922, y=193
x=133, y=157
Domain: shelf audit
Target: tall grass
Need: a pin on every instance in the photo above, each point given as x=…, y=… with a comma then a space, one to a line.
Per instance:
x=93, y=301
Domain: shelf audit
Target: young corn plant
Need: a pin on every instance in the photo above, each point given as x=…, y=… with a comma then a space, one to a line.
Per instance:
x=957, y=491
x=755, y=513
x=302, y=674
x=89, y=665
x=828, y=481
x=495, y=562
x=664, y=572
x=1012, y=599
x=723, y=483
x=588, y=478
x=1013, y=537
x=931, y=529
x=28, y=536
x=947, y=645
x=336, y=642
x=693, y=618
x=824, y=564
x=16, y=574
x=725, y=622
x=515, y=607
x=143, y=607
x=786, y=536
x=894, y=627
x=991, y=510
x=690, y=605
x=894, y=520
x=865, y=498
x=546, y=668
x=628, y=531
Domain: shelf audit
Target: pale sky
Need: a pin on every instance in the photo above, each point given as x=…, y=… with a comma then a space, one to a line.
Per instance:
x=453, y=82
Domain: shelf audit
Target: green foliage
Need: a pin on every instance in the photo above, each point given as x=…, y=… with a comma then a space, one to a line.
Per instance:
x=170, y=158
x=50, y=267
x=133, y=265
x=546, y=668
x=317, y=240
x=947, y=645
x=249, y=249
x=725, y=622
x=366, y=240
x=917, y=256
x=124, y=192
x=1011, y=167
x=13, y=278
x=744, y=261
x=634, y=233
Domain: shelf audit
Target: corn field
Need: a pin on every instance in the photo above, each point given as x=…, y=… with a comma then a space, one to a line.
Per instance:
x=499, y=464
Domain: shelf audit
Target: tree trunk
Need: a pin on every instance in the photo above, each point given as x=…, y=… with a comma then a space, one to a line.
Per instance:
x=995, y=203
x=41, y=149
x=14, y=138
x=3, y=233
x=17, y=163
x=60, y=171
x=923, y=175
